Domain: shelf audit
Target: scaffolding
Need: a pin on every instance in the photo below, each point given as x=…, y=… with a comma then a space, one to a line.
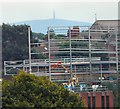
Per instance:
x=90, y=54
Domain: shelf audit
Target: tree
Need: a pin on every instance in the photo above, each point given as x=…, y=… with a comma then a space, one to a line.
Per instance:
x=27, y=90
x=38, y=36
x=15, y=42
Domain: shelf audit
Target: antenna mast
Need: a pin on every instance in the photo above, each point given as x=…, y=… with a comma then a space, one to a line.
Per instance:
x=95, y=16
x=54, y=15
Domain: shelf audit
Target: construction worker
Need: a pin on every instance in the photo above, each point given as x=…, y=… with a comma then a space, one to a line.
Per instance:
x=75, y=78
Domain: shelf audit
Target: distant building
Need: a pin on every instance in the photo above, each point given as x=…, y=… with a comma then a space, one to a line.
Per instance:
x=105, y=24
x=98, y=99
x=75, y=31
x=109, y=25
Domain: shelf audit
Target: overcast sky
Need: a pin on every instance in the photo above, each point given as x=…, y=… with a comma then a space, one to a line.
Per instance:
x=78, y=11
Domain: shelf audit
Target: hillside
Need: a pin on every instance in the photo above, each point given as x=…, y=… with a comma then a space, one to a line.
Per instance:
x=42, y=25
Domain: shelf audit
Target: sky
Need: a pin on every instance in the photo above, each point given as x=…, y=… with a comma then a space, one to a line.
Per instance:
x=77, y=10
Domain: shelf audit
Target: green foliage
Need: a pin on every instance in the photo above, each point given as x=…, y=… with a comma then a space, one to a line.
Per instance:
x=15, y=42
x=37, y=56
x=27, y=90
x=75, y=52
x=74, y=44
x=38, y=35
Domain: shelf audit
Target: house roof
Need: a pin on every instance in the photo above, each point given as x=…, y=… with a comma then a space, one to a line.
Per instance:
x=41, y=49
x=105, y=24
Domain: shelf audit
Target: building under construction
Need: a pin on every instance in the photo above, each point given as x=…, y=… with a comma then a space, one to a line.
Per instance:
x=90, y=54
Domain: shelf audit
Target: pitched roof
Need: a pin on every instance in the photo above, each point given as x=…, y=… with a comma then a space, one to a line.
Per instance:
x=105, y=24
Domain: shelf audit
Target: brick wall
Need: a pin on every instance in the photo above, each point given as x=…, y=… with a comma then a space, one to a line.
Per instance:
x=101, y=99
